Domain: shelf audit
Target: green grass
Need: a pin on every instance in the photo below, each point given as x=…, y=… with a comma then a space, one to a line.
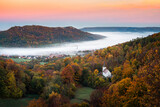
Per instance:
x=82, y=94
x=18, y=60
x=23, y=102
x=42, y=63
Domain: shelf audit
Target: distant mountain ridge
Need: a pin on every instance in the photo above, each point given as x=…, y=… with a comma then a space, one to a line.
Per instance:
x=121, y=29
x=39, y=35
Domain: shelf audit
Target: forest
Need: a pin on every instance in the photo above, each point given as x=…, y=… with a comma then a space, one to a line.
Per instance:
x=135, y=68
x=34, y=36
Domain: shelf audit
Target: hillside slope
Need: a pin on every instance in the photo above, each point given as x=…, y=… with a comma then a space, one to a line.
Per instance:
x=135, y=67
x=40, y=35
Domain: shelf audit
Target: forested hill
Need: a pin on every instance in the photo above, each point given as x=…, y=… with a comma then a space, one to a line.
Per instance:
x=135, y=81
x=121, y=29
x=40, y=35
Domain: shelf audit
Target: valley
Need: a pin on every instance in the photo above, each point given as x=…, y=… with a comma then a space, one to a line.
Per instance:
x=134, y=66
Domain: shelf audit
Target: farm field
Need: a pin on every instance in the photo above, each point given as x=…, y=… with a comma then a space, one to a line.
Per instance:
x=18, y=60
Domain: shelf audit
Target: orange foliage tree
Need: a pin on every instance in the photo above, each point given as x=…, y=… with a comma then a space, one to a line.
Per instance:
x=68, y=74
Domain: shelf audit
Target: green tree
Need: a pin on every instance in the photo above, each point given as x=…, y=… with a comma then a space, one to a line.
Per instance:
x=13, y=90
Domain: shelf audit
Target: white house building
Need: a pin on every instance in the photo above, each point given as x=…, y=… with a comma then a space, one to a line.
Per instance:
x=105, y=72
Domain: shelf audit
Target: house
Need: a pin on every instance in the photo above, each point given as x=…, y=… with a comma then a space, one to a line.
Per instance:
x=105, y=72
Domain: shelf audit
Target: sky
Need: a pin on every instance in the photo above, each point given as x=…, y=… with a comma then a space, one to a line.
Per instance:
x=79, y=13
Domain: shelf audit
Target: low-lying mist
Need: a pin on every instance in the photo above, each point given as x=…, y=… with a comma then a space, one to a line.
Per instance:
x=112, y=38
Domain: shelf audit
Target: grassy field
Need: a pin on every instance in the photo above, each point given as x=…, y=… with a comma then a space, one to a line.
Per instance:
x=18, y=60
x=82, y=94
x=23, y=102
x=42, y=63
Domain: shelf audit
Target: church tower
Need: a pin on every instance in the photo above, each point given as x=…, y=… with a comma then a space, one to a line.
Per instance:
x=104, y=67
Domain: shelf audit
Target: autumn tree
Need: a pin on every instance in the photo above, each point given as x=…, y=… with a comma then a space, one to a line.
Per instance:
x=37, y=103
x=56, y=100
x=77, y=72
x=127, y=70
x=67, y=61
x=115, y=95
x=117, y=74
x=68, y=74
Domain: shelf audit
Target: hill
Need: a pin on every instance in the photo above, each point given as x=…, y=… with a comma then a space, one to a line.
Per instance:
x=121, y=29
x=40, y=35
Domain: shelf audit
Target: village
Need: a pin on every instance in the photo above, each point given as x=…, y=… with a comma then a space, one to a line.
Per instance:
x=30, y=57
x=60, y=55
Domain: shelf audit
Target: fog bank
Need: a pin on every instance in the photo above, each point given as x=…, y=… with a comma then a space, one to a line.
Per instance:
x=112, y=38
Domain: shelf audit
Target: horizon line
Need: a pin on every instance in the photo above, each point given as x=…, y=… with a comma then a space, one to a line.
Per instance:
x=81, y=27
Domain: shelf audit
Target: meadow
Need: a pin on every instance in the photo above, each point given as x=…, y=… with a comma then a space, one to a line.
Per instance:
x=22, y=102
x=18, y=60
x=82, y=94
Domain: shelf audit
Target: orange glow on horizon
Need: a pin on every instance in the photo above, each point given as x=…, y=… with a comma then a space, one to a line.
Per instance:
x=80, y=10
